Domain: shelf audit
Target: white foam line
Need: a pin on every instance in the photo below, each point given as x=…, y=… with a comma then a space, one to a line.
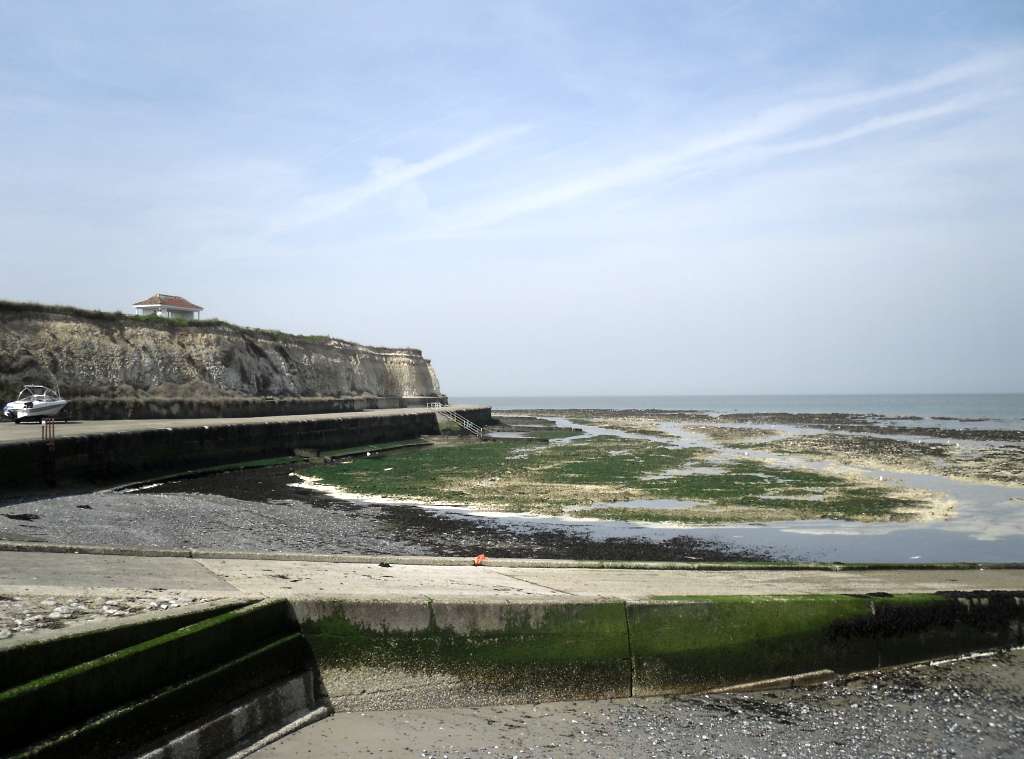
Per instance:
x=314, y=483
x=967, y=657
x=140, y=488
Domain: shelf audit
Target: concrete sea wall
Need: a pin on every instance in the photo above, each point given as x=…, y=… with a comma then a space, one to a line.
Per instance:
x=377, y=655
x=125, y=455
x=138, y=686
x=382, y=655
x=233, y=408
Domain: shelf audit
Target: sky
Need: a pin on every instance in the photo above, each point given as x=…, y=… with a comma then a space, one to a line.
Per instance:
x=546, y=197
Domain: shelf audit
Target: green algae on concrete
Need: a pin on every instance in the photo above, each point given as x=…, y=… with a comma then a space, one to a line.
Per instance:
x=698, y=643
x=702, y=643
x=59, y=700
x=121, y=731
x=422, y=653
x=473, y=634
x=32, y=659
x=470, y=652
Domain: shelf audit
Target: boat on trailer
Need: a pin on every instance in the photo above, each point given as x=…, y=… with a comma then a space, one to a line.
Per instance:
x=35, y=402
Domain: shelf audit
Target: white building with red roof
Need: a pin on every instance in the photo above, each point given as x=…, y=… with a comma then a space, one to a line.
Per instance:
x=168, y=306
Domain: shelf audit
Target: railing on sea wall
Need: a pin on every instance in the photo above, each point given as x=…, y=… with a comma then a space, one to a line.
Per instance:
x=467, y=424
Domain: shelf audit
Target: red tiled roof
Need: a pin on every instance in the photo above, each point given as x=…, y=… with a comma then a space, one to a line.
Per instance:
x=174, y=301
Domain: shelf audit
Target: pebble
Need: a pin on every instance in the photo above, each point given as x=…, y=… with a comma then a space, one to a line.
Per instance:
x=24, y=615
x=963, y=708
x=237, y=511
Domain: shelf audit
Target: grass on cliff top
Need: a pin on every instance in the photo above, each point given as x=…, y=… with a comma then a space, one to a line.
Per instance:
x=516, y=475
x=171, y=325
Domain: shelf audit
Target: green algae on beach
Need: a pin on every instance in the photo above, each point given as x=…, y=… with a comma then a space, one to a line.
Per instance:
x=560, y=480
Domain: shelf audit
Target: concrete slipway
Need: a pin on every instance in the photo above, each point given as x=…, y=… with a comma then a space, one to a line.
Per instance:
x=406, y=632
x=28, y=568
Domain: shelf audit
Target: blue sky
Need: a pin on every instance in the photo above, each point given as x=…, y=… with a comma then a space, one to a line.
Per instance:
x=549, y=197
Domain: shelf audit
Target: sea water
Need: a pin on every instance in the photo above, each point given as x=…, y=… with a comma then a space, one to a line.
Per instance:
x=988, y=525
x=1005, y=407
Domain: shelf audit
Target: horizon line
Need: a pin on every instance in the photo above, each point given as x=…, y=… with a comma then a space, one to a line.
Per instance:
x=731, y=395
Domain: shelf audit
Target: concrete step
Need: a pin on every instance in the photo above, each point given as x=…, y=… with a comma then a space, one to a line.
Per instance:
x=142, y=695
x=248, y=725
x=32, y=659
x=258, y=688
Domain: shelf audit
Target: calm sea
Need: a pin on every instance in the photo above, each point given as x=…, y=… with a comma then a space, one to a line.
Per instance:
x=1004, y=406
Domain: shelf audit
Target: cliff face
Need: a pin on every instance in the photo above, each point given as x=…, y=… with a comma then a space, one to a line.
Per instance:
x=104, y=355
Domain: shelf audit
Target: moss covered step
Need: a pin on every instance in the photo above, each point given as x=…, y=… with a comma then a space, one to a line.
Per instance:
x=27, y=661
x=68, y=699
x=147, y=723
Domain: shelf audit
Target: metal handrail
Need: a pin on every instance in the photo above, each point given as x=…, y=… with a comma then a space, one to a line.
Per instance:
x=467, y=424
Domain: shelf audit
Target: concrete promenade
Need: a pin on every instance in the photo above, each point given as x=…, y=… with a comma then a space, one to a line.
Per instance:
x=419, y=578
x=11, y=433
x=127, y=450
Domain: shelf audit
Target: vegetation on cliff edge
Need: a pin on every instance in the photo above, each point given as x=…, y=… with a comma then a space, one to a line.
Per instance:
x=171, y=325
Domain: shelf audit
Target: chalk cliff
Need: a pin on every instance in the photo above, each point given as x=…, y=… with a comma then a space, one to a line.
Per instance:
x=106, y=355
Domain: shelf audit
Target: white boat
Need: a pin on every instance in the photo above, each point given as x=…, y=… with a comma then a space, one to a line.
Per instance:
x=35, y=402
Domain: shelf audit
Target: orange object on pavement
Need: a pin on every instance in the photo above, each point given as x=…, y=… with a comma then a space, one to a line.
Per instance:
x=480, y=559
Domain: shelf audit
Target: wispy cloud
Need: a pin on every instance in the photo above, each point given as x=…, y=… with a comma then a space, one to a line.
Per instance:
x=755, y=137
x=388, y=175
x=882, y=123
